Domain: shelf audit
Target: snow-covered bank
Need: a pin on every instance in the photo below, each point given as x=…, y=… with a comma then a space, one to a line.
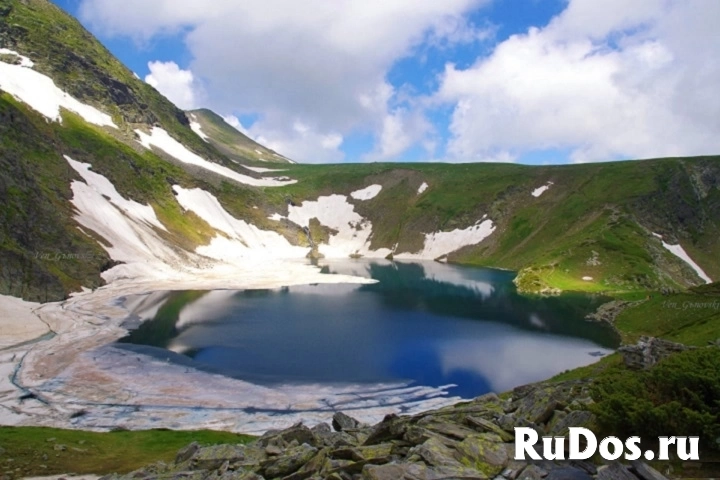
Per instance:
x=18, y=323
x=77, y=379
x=41, y=94
x=197, y=128
x=680, y=252
x=540, y=190
x=161, y=139
x=438, y=244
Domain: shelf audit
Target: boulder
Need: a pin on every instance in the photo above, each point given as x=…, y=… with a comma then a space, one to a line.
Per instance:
x=532, y=472
x=291, y=461
x=298, y=433
x=576, y=418
x=645, y=471
x=485, y=453
x=648, y=351
x=484, y=425
x=208, y=458
x=436, y=454
x=615, y=471
x=392, y=427
x=342, y=422
x=568, y=473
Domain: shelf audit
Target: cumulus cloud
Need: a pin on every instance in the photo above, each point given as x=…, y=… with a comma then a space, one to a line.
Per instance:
x=302, y=141
x=603, y=80
x=322, y=64
x=176, y=84
x=401, y=129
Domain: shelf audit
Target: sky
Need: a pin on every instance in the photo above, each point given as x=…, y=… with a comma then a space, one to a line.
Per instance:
x=524, y=81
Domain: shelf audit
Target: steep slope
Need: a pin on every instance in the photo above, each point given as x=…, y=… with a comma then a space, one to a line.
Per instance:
x=104, y=179
x=234, y=144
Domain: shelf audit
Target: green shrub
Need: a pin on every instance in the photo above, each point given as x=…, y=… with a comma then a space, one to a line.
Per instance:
x=679, y=396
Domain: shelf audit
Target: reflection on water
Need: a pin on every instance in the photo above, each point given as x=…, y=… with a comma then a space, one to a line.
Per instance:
x=427, y=323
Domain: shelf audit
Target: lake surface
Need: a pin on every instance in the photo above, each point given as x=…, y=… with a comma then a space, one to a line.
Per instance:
x=424, y=324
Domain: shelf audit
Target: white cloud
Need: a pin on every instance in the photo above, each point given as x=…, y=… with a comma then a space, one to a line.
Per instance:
x=176, y=84
x=400, y=130
x=318, y=62
x=302, y=141
x=603, y=79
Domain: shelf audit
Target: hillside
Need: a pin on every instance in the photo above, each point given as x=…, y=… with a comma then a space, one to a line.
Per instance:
x=228, y=140
x=105, y=183
x=183, y=200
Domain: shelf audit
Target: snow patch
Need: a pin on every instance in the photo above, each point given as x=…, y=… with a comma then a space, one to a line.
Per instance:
x=102, y=186
x=441, y=243
x=422, y=188
x=197, y=128
x=276, y=216
x=18, y=323
x=539, y=191
x=680, y=252
x=24, y=61
x=41, y=94
x=129, y=228
x=162, y=140
x=334, y=211
x=243, y=239
x=261, y=169
x=367, y=193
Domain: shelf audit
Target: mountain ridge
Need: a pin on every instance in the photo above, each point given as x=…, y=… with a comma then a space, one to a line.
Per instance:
x=589, y=227
x=231, y=142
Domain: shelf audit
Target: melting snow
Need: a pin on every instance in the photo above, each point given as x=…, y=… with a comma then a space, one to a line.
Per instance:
x=127, y=226
x=441, y=243
x=262, y=170
x=680, y=252
x=162, y=140
x=102, y=186
x=197, y=128
x=40, y=93
x=24, y=61
x=335, y=212
x=422, y=188
x=243, y=239
x=539, y=191
x=367, y=193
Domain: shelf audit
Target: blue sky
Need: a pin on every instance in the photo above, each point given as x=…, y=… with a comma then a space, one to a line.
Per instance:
x=527, y=81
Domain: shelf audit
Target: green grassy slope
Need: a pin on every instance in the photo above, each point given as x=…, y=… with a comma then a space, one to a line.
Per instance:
x=30, y=451
x=594, y=221
x=62, y=49
x=43, y=254
x=232, y=143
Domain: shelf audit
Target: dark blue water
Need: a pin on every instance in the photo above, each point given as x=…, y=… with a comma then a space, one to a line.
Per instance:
x=425, y=323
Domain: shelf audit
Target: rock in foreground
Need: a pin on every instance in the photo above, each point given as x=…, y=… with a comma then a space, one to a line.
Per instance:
x=472, y=440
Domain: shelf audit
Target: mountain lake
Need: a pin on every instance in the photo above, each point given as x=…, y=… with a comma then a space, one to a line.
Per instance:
x=423, y=324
